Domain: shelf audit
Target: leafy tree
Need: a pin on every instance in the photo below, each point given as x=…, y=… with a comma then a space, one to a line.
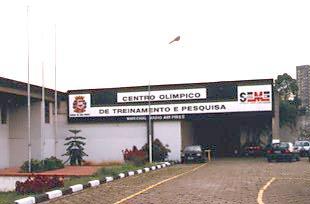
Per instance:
x=286, y=86
x=75, y=148
x=288, y=113
x=304, y=134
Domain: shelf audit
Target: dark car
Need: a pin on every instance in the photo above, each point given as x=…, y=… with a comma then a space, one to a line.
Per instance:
x=193, y=153
x=253, y=150
x=283, y=151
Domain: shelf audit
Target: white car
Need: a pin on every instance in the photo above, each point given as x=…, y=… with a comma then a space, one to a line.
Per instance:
x=303, y=147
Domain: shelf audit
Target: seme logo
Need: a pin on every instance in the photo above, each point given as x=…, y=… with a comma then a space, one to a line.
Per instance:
x=255, y=97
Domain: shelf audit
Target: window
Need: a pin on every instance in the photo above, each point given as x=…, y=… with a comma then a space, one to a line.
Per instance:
x=218, y=92
x=103, y=98
x=192, y=148
x=47, y=112
x=4, y=114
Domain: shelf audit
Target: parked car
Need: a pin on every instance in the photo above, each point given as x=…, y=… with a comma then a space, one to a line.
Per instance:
x=282, y=151
x=253, y=150
x=193, y=153
x=303, y=147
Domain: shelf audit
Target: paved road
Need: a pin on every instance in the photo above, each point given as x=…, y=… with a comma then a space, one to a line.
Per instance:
x=221, y=181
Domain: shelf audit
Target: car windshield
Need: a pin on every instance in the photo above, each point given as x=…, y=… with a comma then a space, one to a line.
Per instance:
x=192, y=148
x=280, y=145
x=299, y=143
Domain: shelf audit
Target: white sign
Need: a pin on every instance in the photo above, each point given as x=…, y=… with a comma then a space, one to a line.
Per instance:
x=255, y=94
x=163, y=95
x=250, y=99
x=169, y=109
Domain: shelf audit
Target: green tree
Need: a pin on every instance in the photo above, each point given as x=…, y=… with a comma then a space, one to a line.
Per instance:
x=75, y=148
x=287, y=86
x=304, y=134
x=288, y=113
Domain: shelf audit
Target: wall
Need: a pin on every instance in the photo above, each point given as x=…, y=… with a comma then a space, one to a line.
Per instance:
x=48, y=137
x=292, y=133
x=104, y=141
x=169, y=132
x=187, y=133
x=7, y=183
x=18, y=134
x=4, y=143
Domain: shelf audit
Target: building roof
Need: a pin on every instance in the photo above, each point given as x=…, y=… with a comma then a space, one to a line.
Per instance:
x=173, y=86
x=10, y=86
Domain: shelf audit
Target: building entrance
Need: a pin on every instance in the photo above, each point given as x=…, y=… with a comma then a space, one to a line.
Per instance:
x=227, y=136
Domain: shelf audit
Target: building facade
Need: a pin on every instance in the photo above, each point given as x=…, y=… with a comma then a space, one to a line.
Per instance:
x=303, y=82
x=227, y=115
x=14, y=122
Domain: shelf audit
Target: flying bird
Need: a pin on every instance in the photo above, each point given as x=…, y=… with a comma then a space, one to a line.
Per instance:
x=175, y=39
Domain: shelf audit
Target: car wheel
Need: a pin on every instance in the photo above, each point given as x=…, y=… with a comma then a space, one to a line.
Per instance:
x=269, y=160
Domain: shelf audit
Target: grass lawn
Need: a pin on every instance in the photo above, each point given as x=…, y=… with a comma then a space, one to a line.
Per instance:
x=10, y=197
x=104, y=172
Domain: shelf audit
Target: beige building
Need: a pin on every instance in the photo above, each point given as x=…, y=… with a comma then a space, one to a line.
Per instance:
x=303, y=82
x=14, y=122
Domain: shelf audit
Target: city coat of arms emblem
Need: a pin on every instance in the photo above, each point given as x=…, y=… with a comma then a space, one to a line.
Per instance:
x=79, y=104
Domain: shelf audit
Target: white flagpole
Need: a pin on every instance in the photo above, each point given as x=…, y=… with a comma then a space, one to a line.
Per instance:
x=28, y=95
x=150, y=125
x=55, y=103
x=43, y=115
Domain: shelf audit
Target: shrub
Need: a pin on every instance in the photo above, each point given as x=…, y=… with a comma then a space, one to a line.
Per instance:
x=43, y=165
x=36, y=166
x=38, y=184
x=160, y=152
x=52, y=163
x=135, y=156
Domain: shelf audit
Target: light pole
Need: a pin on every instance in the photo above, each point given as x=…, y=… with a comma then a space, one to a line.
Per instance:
x=28, y=96
x=175, y=39
x=149, y=114
x=150, y=125
x=56, y=101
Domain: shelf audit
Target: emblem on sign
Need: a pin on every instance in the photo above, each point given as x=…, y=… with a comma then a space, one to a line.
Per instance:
x=255, y=97
x=79, y=104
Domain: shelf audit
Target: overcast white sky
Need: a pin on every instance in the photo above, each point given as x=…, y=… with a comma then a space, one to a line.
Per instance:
x=125, y=42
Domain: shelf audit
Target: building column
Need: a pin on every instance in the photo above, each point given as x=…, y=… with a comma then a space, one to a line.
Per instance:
x=276, y=117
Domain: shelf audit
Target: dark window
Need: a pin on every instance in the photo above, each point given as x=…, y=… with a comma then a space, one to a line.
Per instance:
x=103, y=98
x=47, y=112
x=219, y=92
x=4, y=115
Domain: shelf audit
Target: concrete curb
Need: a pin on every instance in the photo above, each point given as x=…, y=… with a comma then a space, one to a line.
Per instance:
x=78, y=187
